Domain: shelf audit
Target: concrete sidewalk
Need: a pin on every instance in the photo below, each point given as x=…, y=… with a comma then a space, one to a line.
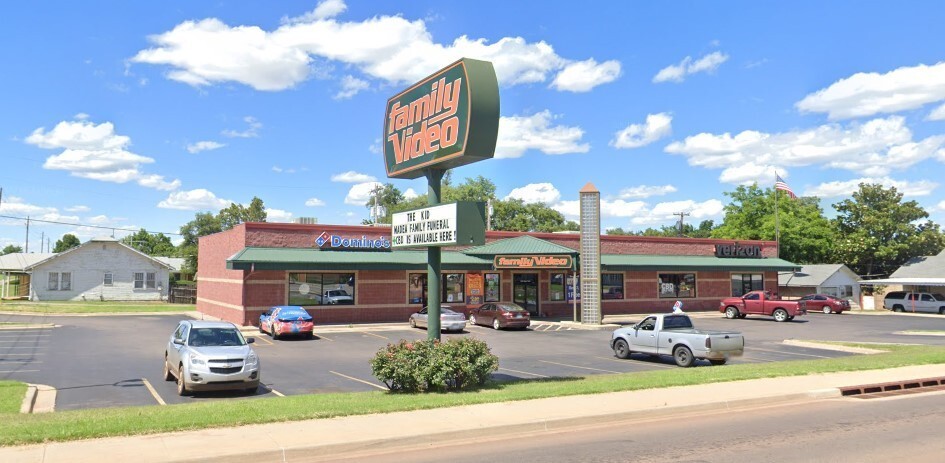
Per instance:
x=360, y=435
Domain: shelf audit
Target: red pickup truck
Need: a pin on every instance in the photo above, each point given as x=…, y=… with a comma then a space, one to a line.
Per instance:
x=761, y=303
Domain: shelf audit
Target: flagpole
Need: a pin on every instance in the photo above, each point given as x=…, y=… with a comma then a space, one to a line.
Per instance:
x=777, y=222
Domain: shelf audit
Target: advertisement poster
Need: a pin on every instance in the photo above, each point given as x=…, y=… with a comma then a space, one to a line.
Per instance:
x=492, y=287
x=572, y=284
x=474, y=289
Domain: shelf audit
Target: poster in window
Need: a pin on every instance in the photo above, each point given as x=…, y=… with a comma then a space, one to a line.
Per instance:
x=474, y=289
x=492, y=287
x=574, y=284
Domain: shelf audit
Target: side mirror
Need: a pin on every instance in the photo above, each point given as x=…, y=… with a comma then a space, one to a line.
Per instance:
x=250, y=340
x=178, y=341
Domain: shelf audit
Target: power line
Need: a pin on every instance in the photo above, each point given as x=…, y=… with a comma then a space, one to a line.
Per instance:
x=113, y=229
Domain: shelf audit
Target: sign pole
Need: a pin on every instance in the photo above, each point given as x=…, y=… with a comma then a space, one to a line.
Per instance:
x=434, y=180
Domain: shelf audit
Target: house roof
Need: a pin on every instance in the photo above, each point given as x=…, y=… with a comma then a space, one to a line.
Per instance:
x=175, y=263
x=670, y=263
x=521, y=245
x=813, y=275
x=100, y=239
x=18, y=261
x=922, y=267
x=315, y=259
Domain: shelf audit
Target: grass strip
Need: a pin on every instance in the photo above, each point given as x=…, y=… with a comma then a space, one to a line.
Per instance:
x=85, y=424
x=11, y=397
x=86, y=307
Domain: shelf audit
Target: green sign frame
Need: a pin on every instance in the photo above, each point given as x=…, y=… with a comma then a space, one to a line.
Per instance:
x=449, y=119
x=463, y=221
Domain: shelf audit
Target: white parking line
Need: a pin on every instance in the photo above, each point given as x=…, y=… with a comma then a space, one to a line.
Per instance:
x=583, y=368
x=153, y=392
x=260, y=338
x=19, y=371
x=660, y=365
x=273, y=391
x=24, y=347
x=358, y=380
x=21, y=340
x=788, y=353
x=375, y=335
x=524, y=372
x=22, y=335
x=322, y=336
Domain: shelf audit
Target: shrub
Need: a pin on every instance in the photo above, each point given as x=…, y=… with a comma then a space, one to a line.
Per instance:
x=416, y=366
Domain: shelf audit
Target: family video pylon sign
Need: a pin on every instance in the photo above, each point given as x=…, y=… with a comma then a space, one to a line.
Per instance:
x=446, y=120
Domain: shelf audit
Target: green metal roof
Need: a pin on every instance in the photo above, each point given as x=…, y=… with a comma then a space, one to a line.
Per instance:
x=657, y=262
x=521, y=245
x=314, y=259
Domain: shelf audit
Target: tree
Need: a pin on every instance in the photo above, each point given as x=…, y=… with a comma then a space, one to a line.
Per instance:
x=205, y=223
x=235, y=214
x=67, y=242
x=878, y=232
x=515, y=215
x=807, y=236
x=150, y=244
x=10, y=249
x=388, y=199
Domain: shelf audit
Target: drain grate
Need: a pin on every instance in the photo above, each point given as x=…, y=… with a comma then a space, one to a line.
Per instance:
x=873, y=391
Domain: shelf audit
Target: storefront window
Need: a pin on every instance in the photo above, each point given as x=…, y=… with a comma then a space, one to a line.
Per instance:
x=556, y=287
x=310, y=289
x=743, y=283
x=417, y=288
x=453, y=288
x=611, y=285
x=492, y=287
x=677, y=285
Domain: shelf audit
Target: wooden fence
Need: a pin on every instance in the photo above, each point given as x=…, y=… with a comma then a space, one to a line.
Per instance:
x=184, y=294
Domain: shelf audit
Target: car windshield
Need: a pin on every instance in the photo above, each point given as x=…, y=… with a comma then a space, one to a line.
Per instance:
x=337, y=292
x=676, y=322
x=206, y=337
x=510, y=308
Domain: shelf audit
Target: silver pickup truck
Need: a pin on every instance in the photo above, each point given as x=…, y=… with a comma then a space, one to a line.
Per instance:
x=673, y=334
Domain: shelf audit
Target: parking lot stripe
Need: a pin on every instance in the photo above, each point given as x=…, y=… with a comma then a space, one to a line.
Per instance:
x=275, y=392
x=322, y=336
x=22, y=335
x=583, y=368
x=24, y=340
x=660, y=365
x=260, y=338
x=19, y=371
x=153, y=392
x=375, y=335
x=788, y=353
x=358, y=380
x=524, y=372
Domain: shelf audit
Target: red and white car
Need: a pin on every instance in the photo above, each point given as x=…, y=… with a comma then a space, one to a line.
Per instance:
x=826, y=303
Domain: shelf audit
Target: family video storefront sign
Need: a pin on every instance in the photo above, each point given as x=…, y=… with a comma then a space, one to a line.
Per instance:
x=535, y=262
x=450, y=224
x=447, y=120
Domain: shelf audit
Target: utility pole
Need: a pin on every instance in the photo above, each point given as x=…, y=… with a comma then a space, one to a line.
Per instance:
x=42, y=240
x=27, y=234
x=681, y=215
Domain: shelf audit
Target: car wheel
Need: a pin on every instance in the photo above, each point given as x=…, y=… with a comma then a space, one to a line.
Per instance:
x=683, y=356
x=309, y=335
x=273, y=333
x=621, y=349
x=731, y=312
x=472, y=319
x=181, y=386
x=718, y=362
x=413, y=323
x=780, y=315
x=261, y=330
x=941, y=310
x=827, y=309
x=495, y=324
x=251, y=390
x=790, y=318
x=898, y=308
x=168, y=376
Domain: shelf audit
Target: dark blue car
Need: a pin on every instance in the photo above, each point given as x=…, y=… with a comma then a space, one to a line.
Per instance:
x=286, y=319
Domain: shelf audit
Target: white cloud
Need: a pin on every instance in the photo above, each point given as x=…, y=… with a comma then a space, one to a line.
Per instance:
x=278, y=215
x=645, y=191
x=208, y=145
x=314, y=202
x=678, y=72
x=665, y=212
x=536, y=193
x=81, y=116
x=13, y=205
x=583, y=76
x=636, y=135
x=870, y=93
x=78, y=208
x=941, y=206
x=410, y=193
x=194, y=200
x=252, y=131
x=360, y=193
x=847, y=187
x=350, y=86
x=518, y=134
x=873, y=148
x=390, y=48
x=352, y=177
x=937, y=114
x=96, y=152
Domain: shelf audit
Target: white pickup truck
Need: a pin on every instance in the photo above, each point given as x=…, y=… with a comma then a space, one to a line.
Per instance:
x=673, y=334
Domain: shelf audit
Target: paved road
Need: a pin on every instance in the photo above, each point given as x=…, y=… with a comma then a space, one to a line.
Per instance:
x=906, y=428
x=116, y=360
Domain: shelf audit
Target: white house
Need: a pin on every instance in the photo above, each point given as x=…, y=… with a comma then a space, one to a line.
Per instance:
x=101, y=269
x=833, y=279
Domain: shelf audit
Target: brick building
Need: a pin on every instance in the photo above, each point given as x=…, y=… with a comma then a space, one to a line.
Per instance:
x=349, y=274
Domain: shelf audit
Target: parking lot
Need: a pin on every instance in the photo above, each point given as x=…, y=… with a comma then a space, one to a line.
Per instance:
x=105, y=361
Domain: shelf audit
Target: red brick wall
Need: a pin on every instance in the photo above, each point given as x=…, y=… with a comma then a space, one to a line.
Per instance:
x=219, y=289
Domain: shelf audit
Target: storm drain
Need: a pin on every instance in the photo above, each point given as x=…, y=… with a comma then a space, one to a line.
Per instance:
x=875, y=391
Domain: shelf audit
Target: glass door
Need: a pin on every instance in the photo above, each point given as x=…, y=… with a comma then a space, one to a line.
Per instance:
x=525, y=291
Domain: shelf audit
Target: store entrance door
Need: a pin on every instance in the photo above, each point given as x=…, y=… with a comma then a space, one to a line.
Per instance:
x=525, y=291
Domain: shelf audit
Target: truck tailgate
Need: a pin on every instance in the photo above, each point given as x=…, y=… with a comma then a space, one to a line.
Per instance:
x=725, y=342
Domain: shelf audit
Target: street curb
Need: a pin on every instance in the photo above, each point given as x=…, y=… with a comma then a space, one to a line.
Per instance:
x=365, y=448
x=39, y=398
x=29, y=399
x=834, y=347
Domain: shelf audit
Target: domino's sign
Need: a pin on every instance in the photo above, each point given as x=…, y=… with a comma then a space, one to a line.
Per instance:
x=328, y=241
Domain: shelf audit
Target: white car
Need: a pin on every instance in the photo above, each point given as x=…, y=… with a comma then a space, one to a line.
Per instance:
x=449, y=320
x=904, y=301
x=210, y=356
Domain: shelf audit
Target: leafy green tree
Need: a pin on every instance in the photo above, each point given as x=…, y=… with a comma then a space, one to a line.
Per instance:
x=10, y=249
x=806, y=237
x=515, y=215
x=235, y=214
x=151, y=244
x=387, y=199
x=878, y=232
x=206, y=223
x=67, y=242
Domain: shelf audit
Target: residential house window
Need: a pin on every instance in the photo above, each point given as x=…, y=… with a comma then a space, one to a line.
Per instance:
x=139, y=280
x=109, y=279
x=493, y=285
x=310, y=289
x=677, y=285
x=743, y=283
x=53, y=284
x=611, y=285
x=150, y=280
x=556, y=287
x=65, y=281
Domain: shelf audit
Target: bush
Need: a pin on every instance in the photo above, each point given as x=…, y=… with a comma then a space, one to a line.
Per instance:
x=416, y=366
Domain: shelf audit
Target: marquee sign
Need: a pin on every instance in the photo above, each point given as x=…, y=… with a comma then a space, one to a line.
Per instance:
x=447, y=120
x=532, y=262
x=451, y=224
x=737, y=250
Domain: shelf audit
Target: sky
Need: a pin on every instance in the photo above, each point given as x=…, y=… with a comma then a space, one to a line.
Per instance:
x=128, y=115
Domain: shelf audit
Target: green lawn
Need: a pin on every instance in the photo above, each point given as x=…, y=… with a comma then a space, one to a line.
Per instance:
x=11, y=397
x=88, y=307
x=84, y=424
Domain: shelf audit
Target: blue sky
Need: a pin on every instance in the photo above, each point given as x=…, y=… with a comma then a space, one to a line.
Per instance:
x=137, y=115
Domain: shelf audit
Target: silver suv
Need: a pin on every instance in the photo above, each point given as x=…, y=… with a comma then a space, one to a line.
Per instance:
x=904, y=301
x=210, y=356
